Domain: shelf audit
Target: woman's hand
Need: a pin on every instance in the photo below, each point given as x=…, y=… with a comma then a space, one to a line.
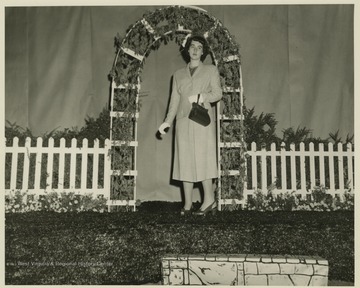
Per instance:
x=193, y=98
x=162, y=128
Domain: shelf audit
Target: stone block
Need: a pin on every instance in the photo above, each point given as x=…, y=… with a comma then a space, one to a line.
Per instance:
x=240, y=266
x=196, y=257
x=222, y=257
x=318, y=281
x=241, y=280
x=300, y=280
x=165, y=280
x=166, y=272
x=279, y=280
x=194, y=279
x=310, y=261
x=250, y=268
x=257, y=280
x=266, y=259
x=321, y=270
x=210, y=257
x=176, y=277
x=292, y=260
x=186, y=277
x=268, y=268
x=165, y=264
x=253, y=258
x=178, y=264
x=287, y=268
x=240, y=276
x=183, y=257
x=170, y=257
x=214, y=273
x=278, y=258
x=304, y=269
x=322, y=262
x=302, y=258
x=237, y=257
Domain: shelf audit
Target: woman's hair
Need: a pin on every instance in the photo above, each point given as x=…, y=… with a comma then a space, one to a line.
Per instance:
x=197, y=38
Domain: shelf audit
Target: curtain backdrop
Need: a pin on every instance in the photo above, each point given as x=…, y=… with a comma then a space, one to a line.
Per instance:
x=297, y=62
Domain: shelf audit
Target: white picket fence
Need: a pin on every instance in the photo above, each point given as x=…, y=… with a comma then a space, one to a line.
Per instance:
x=301, y=170
x=74, y=166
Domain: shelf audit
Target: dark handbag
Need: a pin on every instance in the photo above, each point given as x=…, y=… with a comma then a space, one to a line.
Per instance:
x=199, y=113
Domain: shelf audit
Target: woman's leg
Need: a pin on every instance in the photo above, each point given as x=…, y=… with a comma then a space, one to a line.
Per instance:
x=188, y=189
x=209, y=196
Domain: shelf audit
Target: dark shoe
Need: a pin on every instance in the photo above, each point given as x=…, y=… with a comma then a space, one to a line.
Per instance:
x=185, y=212
x=211, y=208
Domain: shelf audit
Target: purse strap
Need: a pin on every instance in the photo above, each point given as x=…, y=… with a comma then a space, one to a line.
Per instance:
x=198, y=98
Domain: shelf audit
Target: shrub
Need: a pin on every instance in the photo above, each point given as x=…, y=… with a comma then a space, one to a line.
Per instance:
x=20, y=202
x=319, y=200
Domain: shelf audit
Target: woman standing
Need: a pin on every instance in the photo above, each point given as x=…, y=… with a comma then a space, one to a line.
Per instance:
x=195, y=145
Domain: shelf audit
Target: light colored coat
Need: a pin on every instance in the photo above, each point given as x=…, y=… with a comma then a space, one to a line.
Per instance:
x=195, y=156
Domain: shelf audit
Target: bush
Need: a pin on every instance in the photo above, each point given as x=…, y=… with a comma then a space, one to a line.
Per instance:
x=319, y=200
x=20, y=202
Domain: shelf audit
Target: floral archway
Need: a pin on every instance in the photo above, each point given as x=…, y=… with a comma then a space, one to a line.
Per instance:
x=175, y=23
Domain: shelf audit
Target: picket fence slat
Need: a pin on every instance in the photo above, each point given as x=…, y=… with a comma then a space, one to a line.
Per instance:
x=25, y=179
x=263, y=171
x=321, y=162
x=96, y=165
x=273, y=163
x=293, y=168
x=341, y=167
x=14, y=161
x=283, y=167
x=61, y=164
x=331, y=169
x=302, y=167
x=253, y=168
x=350, y=165
x=73, y=164
x=39, y=143
x=49, y=170
x=312, y=165
x=107, y=166
x=84, y=161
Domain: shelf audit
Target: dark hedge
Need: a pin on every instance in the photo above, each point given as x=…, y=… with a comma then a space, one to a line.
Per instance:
x=126, y=248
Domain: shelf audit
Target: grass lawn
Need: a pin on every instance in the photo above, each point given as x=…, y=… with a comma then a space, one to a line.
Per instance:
x=126, y=248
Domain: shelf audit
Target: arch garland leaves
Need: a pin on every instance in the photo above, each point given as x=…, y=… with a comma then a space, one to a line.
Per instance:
x=174, y=23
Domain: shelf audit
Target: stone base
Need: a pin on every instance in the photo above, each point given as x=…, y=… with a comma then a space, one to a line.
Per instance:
x=244, y=270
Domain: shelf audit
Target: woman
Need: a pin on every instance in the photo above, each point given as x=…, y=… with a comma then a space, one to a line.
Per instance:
x=195, y=145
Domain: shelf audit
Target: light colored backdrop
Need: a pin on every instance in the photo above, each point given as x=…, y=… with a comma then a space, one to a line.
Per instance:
x=297, y=62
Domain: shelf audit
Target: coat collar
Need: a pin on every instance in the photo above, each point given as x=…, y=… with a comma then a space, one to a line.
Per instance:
x=196, y=71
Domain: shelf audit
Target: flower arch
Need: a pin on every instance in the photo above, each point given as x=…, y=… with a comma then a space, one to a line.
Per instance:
x=175, y=23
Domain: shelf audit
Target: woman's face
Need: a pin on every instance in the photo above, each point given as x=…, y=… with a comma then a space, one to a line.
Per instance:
x=195, y=50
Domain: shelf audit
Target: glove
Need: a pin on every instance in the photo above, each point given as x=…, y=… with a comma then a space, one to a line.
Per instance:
x=193, y=99
x=162, y=127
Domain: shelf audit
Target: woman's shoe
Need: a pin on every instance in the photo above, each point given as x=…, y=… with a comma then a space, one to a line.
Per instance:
x=211, y=208
x=185, y=212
